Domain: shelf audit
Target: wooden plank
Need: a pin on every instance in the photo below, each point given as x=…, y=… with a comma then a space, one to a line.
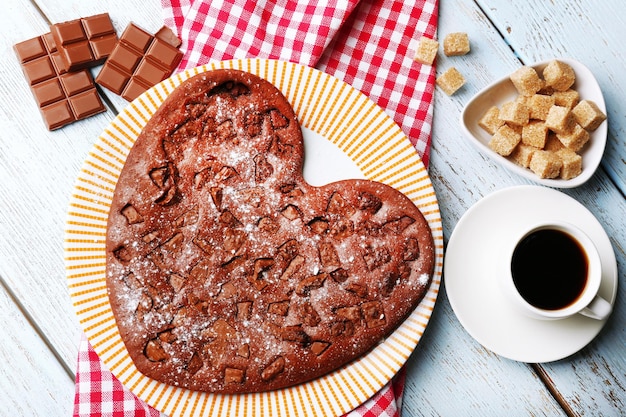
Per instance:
x=591, y=382
x=450, y=373
x=590, y=33
x=42, y=167
x=32, y=381
x=38, y=168
x=604, y=359
x=538, y=30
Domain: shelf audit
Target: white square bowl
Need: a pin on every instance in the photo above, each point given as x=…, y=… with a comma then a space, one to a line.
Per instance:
x=503, y=90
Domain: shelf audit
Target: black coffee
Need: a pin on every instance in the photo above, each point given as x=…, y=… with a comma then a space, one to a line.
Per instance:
x=549, y=269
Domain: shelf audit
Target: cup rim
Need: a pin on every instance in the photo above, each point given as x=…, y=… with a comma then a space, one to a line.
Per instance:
x=594, y=272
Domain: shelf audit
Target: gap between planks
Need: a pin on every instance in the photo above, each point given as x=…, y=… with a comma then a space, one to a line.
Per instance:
x=547, y=382
x=29, y=318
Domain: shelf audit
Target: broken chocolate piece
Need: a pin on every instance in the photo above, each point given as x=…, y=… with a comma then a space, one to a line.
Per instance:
x=85, y=42
x=273, y=369
x=139, y=61
x=62, y=97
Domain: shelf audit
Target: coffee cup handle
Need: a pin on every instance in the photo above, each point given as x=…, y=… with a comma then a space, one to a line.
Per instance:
x=598, y=309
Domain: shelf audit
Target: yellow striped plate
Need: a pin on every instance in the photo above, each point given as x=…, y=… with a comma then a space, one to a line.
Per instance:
x=356, y=128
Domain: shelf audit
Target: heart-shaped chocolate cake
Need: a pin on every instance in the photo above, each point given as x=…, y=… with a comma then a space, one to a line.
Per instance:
x=227, y=272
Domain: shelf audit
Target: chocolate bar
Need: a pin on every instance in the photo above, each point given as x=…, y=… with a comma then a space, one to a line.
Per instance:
x=63, y=97
x=139, y=61
x=85, y=42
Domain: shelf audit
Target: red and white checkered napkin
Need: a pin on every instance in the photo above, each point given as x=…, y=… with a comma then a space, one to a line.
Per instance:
x=369, y=44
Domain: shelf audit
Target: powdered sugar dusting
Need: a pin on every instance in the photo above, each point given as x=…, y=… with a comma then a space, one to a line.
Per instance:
x=243, y=266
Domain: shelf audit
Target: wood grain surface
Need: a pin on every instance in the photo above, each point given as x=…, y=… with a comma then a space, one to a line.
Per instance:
x=449, y=374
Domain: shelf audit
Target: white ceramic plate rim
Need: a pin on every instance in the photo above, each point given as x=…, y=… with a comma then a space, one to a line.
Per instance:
x=503, y=90
x=470, y=273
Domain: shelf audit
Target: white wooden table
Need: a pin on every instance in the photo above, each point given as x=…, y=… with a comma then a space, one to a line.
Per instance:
x=449, y=374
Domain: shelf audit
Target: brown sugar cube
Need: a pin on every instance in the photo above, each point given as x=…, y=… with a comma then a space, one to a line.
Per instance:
x=426, y=50
x=559, y=75
x=522, y=154
x=535, y=134
x=526, y=81
x=450, y=81
x=490, y=121
x=523, y=100
x=545, y=164
x=515, y=112
x=568, y=98
x=546, y=90
x=539, y=105
x=574, y=139
x=572, y=163
x=505, y=140
x=553, y=143
x=516, y=128
x=455, y=44
x=560, y=119
x=588, y=115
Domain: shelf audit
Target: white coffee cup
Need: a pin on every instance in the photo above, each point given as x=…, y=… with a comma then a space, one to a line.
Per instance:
x=553, y=271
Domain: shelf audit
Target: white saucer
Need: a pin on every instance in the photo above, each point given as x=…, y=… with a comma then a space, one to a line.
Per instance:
x=471, y=282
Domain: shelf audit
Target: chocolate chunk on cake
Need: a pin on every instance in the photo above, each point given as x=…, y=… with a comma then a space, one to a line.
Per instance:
x=227, y=272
